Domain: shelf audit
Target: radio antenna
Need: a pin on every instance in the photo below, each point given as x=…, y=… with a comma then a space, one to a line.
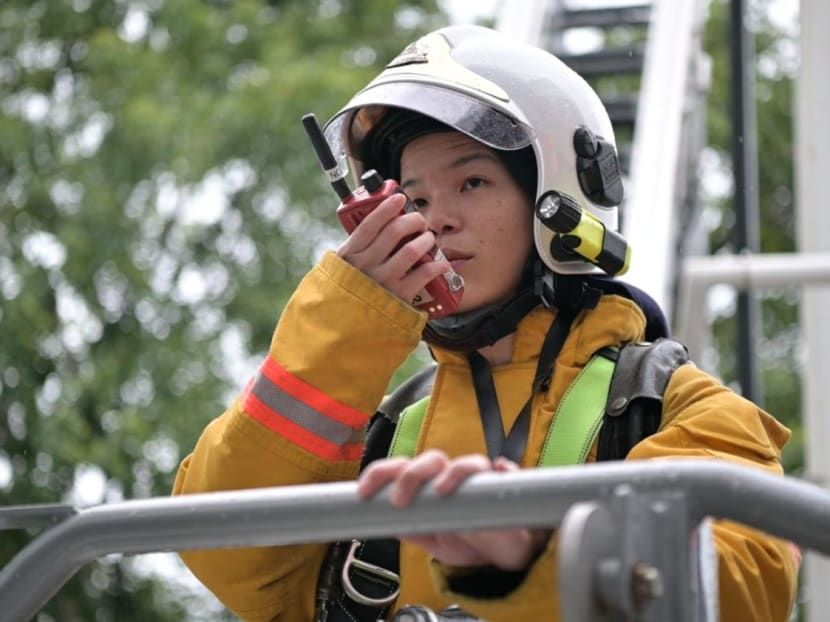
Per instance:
x=331, y=167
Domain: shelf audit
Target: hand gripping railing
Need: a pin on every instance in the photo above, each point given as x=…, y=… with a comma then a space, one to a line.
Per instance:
x=628, y=523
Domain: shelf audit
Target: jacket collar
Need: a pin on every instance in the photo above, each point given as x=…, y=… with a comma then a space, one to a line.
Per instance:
x=614, y=321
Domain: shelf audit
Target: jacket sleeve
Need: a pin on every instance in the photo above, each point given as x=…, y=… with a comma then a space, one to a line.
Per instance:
x=701, y=419
x=758, y=573
x=301, y=420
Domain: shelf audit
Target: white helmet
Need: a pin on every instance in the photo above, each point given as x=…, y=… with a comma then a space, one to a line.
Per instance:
x=507, y=95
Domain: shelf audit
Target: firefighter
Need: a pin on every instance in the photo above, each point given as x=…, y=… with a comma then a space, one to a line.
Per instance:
x=484, y=134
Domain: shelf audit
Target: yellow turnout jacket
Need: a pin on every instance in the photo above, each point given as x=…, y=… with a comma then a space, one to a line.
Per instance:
x=302, y=419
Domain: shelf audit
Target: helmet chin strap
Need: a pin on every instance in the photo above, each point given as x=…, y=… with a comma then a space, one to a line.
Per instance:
x=473, y=330
x=467, y=332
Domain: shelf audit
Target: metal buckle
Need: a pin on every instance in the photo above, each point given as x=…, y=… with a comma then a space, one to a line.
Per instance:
x=374, y=573
x=416, y=613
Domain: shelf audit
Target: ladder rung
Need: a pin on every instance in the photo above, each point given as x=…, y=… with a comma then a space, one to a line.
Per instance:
x=627, y=59
x=607, y=17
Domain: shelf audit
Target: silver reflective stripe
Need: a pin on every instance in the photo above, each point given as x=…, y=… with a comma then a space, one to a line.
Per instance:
x=302, y=414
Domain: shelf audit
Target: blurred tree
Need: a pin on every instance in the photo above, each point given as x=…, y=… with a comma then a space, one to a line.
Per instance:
x=158, y=203
x=776, y=56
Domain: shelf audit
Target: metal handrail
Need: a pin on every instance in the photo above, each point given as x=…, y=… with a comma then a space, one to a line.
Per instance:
x=35, y=516
x=782, y=506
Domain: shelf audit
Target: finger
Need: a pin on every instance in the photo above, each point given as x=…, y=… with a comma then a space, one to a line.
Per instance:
x=389, y=265
x=505, y=465
x=377, y=251
x=369, y=228
x=415, y=474
x=509, y=549
x=449, y=549
x=459, y=470
x=378, y=475
x=398, y=232
x=412, y=268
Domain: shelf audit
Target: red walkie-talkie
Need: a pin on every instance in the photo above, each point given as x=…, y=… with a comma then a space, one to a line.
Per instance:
x=442, y=295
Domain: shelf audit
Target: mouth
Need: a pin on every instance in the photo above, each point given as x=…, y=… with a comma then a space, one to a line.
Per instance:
x=457, y=259
x=458, y=264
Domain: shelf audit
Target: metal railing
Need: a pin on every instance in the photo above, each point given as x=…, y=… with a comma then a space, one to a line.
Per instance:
x=745, y=271
x=624, y=528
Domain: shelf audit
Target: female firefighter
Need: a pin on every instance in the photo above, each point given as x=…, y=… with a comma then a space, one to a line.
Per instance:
x=485, y=135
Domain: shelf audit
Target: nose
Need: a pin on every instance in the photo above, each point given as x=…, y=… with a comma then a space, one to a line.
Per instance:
x=442, y=215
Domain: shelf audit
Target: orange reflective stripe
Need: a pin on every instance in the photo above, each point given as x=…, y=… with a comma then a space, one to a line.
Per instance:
x=316, y=399
x=304, y=415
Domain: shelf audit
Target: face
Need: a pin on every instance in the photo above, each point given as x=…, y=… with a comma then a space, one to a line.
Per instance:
x=481, y=218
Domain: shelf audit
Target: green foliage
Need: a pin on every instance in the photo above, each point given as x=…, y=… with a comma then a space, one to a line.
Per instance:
x=778, y=346
x=773, y=99
x=158, y=203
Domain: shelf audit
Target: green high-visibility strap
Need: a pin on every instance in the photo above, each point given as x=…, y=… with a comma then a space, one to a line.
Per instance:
x=410, y=422
x=578, y=417
x=576, y=422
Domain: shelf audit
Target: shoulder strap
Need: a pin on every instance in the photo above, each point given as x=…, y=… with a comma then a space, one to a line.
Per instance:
x=408, y=430
x=575, y=425
x=621, y=403
x=579, y=415
x=409, y=392
x=383, y=426
x=635, y=400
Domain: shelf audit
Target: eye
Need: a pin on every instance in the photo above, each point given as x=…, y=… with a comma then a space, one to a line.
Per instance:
x=471, y=183
x=419, y=204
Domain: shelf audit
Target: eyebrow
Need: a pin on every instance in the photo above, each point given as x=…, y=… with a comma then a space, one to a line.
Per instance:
x=465, y=159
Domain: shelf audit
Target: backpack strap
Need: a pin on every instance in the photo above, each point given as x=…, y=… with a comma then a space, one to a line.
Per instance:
x=625, y=397
x=410, y=391
x=579, y=415
x=383, y=426
x=408, y=431
x=635, y=400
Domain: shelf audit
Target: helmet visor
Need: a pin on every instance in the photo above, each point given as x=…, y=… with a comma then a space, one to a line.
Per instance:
x=462, y=112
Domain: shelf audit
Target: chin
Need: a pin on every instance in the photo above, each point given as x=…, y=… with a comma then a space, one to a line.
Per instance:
x=473, y=304
x=466, y=305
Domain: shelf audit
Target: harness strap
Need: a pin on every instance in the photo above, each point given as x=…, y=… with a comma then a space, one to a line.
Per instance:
x=488, y=407
x=575, y=425
x=410, y=423
x=579, y=415
x=513, y=444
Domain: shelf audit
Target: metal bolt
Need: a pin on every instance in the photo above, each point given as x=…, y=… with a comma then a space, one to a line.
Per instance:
x=619, y=403
x=646, y=584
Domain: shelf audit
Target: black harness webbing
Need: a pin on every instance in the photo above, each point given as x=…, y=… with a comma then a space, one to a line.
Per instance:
x=369, y=567
x=512, y=446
